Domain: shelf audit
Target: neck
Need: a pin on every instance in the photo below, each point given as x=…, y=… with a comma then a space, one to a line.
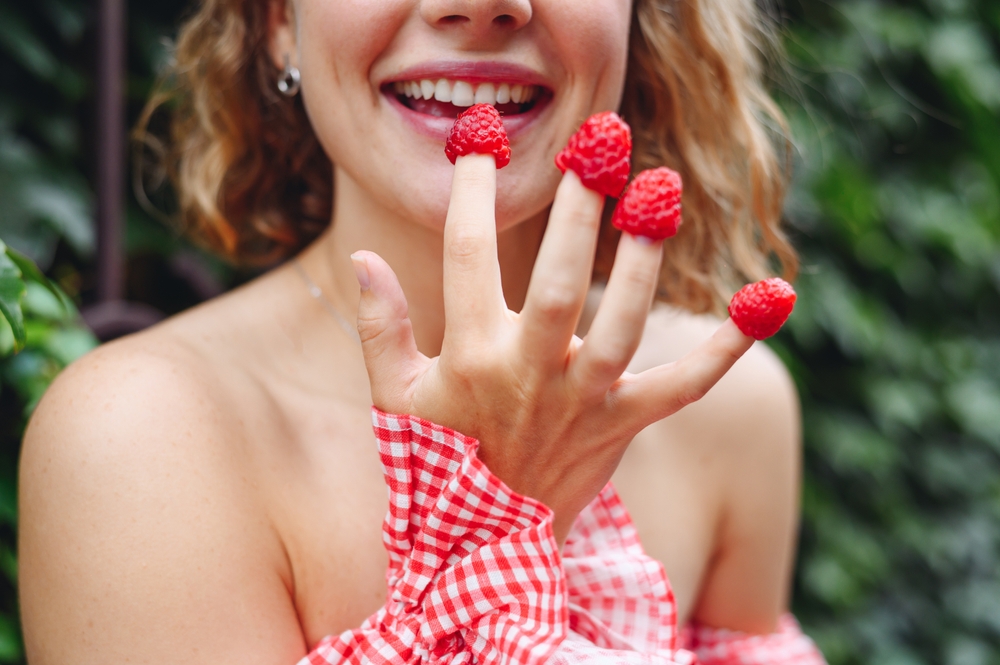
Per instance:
x=414, y=251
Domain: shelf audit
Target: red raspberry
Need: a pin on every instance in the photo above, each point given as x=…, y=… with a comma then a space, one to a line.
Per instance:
x=651, y=206
x=478, y=129
x=599, y=153
x=760, y=309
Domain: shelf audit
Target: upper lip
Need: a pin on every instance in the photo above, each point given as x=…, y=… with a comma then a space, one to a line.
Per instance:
x=471, y=71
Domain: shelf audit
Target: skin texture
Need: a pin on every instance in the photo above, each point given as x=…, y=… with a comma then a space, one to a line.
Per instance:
x=209, y=490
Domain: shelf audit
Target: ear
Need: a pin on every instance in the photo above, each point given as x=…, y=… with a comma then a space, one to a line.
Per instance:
x=281, y=32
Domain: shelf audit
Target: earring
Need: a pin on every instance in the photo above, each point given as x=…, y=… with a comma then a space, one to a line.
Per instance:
x=289, y=80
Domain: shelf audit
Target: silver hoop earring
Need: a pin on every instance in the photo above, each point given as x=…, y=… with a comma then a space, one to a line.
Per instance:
x=289, y=80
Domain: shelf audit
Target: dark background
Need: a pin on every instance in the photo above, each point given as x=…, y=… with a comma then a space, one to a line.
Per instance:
x=895, y=343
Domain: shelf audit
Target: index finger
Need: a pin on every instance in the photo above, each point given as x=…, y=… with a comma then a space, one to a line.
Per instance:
x=473, y=292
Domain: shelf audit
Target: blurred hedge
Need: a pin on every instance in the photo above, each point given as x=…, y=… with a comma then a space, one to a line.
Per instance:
x=895, y=345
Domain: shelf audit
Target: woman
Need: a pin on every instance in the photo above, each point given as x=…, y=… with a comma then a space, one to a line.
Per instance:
x=208, y=490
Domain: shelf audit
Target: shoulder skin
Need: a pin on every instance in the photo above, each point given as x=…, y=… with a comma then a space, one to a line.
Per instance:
x=740, y=446
x=141, y=536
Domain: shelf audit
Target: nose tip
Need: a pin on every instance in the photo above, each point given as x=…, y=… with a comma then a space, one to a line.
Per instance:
x=477, y=16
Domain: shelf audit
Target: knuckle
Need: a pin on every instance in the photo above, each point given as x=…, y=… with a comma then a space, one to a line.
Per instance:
x=466, y=362
x=730, y=355
x=465, y=247
x=584, y=215
x=608, y=362
x=688, y=392
x=555, y=301
x=371, y=329
x=640, y=281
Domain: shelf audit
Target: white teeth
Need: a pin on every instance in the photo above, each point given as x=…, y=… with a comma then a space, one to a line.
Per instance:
x=503, y=93
x=461, y=94
x=485, y=94
x=442, y=91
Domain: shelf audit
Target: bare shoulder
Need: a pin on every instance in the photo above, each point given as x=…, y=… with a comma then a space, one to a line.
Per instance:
x=180, y=380
x=125, y=400
x=748, y=423
x=756, y=395
x=738, y=448
x=140, y=528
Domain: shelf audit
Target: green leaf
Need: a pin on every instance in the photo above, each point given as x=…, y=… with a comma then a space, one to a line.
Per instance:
x=12, y=289
x=11, y=649
x=66, y=345
x=31, y=273
x=17, y=38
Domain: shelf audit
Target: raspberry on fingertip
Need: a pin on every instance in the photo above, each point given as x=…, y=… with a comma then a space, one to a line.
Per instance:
x=651, y=206
x=478, y=129
x=760, y=309
x=600, y=154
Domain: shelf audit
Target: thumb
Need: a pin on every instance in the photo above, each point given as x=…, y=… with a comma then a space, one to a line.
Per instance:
x=387, y=342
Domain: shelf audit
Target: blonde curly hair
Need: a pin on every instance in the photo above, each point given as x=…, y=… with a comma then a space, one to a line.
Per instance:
x=254, y=185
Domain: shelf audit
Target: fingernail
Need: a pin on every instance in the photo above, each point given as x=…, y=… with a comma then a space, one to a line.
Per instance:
x=643, y=240
x=361, y=271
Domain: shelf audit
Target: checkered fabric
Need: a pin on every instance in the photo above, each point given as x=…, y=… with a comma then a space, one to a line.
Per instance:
x=474, y=570
x=786, y=646
x=475, y=575
x=619, y=597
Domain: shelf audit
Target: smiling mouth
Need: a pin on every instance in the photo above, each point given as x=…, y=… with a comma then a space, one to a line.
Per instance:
x=446, y=98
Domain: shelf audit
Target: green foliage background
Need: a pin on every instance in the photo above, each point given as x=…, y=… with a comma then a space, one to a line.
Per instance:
x=895, y=344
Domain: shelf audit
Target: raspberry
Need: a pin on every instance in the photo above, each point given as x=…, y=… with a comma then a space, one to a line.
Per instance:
x=651, y=206
x=599, y=153
x=478, y=129
x=760, y=309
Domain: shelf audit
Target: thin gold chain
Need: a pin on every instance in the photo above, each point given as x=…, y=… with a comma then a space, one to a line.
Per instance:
x=320, y=297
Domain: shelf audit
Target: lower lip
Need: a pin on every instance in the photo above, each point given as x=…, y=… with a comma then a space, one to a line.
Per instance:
x=439, y=128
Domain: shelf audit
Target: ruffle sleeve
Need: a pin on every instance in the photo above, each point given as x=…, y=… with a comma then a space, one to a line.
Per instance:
x=788, y=645
x=474, y=570
x=476, y=577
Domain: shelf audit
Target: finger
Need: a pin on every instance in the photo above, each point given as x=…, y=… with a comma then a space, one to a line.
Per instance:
x=473, y=294
x=661, y=391
x=387, y=341
x=561, y=276
x=621, y=317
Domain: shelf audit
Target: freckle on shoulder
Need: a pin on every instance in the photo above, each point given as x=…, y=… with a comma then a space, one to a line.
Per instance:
x=127, y=395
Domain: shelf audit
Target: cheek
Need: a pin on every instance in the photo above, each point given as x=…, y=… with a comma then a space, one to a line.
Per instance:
x=345, y=36
x=591, y=38
x=338, y=42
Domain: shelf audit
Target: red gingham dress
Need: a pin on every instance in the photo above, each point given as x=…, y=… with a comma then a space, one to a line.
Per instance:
x=475, y=576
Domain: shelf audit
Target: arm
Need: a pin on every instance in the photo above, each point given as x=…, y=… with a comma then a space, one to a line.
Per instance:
x=746, y=585
x=741, y=613
x=139, y=537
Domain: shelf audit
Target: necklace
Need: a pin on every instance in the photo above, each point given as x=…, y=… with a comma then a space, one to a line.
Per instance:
x=320, y=297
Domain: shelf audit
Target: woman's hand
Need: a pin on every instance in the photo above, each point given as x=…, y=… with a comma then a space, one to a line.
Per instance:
x=553, y=413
